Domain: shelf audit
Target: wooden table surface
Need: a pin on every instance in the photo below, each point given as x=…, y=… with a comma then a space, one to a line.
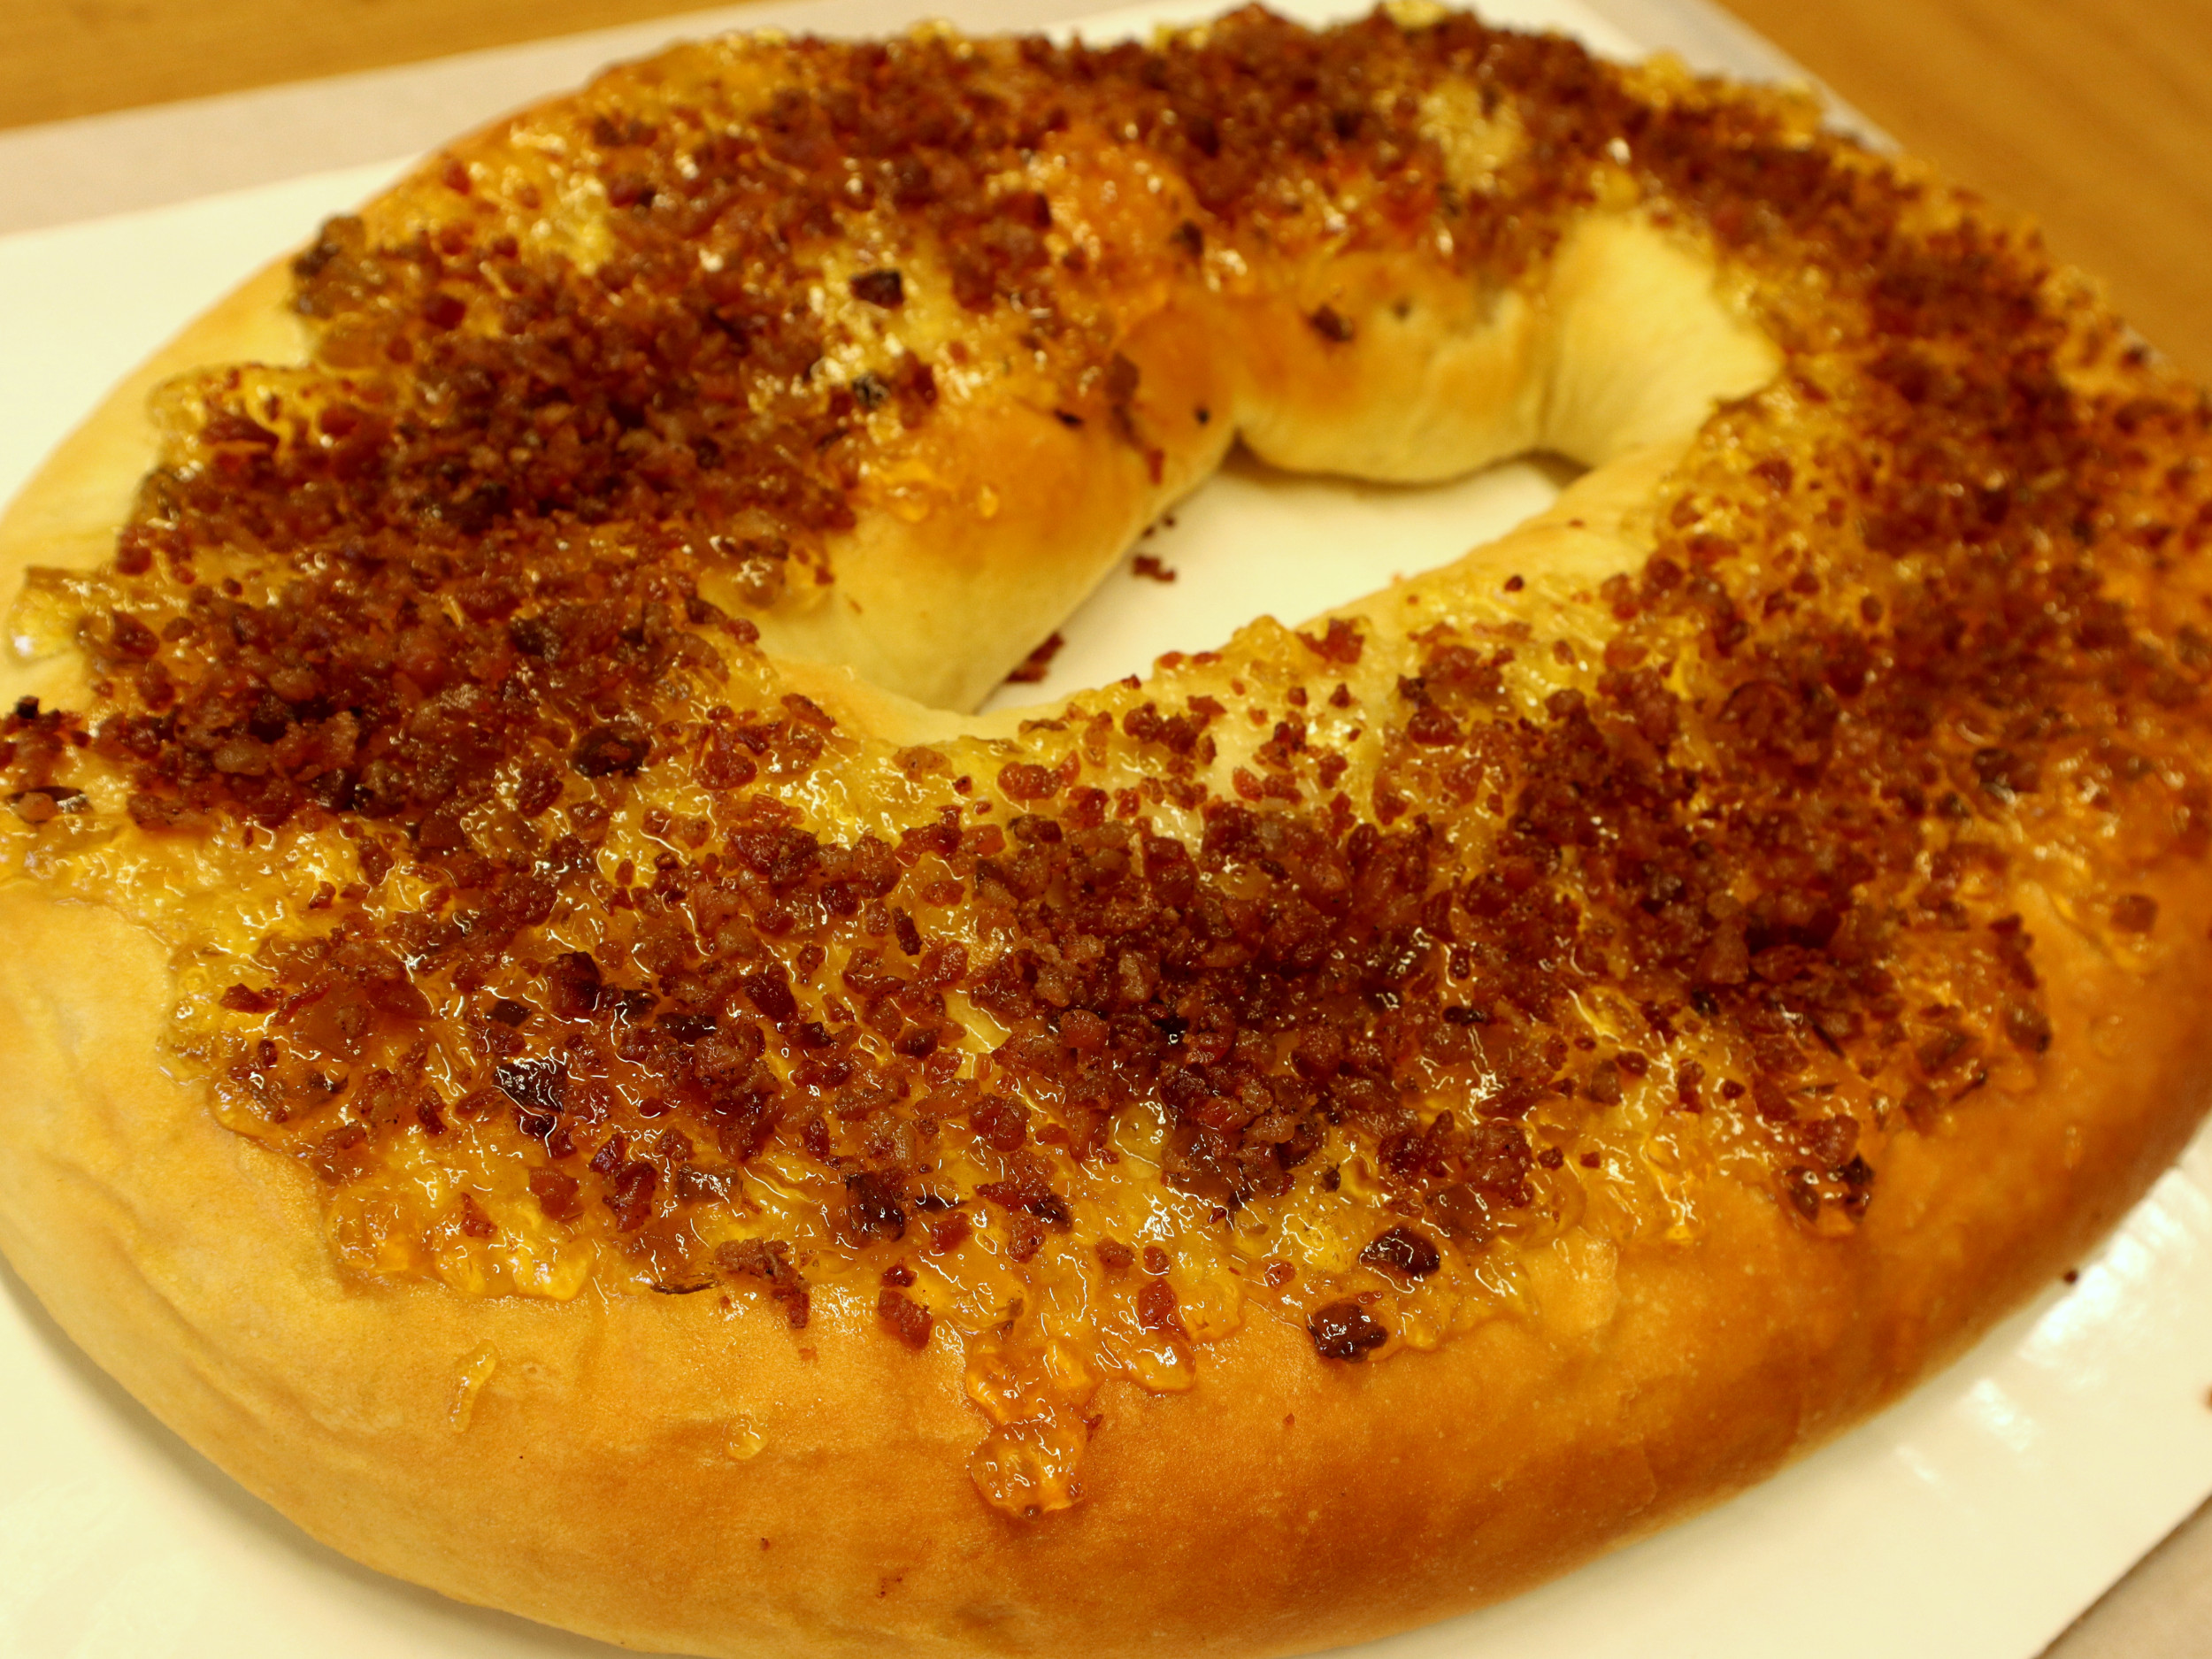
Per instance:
x=2094, y=115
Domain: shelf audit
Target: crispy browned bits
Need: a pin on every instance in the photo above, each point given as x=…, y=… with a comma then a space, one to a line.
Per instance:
x=1405, y=1250
x=620, y=747
x=1769, y=823
x=1345, y=1331
x=880, y=287
x=767, y=1263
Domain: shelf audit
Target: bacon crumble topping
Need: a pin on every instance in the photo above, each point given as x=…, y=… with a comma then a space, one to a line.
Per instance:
x=580, y=972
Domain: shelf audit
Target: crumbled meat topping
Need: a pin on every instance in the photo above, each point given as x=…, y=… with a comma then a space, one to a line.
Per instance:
x=580, y=970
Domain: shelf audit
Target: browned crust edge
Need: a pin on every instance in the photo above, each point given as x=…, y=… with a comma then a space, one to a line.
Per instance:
x=590, y=1480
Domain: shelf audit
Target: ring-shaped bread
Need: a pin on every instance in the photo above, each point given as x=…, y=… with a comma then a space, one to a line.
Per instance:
x=1240, y=1162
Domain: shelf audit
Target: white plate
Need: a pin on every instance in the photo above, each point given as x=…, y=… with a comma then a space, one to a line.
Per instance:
x=1971, y=1522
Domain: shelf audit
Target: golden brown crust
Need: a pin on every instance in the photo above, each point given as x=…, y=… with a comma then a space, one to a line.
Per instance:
x=611, y=1430
x=686, y=1470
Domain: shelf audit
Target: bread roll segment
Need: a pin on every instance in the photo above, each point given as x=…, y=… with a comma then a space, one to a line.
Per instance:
x=537, y=1055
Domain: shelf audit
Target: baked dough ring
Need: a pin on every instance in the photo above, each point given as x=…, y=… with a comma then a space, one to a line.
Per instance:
x=1658, y=1263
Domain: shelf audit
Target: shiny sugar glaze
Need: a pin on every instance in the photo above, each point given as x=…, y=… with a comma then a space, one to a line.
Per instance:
x=1385, y=978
